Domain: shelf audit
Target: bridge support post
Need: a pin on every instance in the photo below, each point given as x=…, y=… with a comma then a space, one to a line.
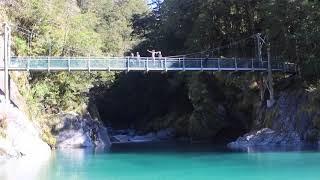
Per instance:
x=109, y=60
x=147, y=65
x=128, y=64
x=48, y=64
x=235, y=64
x=183, y=63
x=269, y=82
x=260, y=43
x=261, y=85
x=6, y=60
x=165, y=64
x=89, y=64
x=252, y=65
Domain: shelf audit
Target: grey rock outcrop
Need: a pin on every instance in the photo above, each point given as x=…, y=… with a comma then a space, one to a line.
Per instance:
x=267, y=137
x=80, y=132
x=288, y=122
x=22, y=137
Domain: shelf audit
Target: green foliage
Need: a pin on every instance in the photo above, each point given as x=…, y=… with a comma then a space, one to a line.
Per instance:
x=63, y=92
x=311, y=69
x=3, y=125
x=67, y=28
x=208, y=116
x=48, y=137
x=181, y=26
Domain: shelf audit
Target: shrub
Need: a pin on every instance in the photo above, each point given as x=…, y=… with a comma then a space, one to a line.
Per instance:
x=3, y=125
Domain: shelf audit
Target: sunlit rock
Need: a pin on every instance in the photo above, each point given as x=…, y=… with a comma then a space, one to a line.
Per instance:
x=75, y=131
x=21, y=137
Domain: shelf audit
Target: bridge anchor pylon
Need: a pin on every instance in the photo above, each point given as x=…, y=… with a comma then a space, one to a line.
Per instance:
x=5, y=55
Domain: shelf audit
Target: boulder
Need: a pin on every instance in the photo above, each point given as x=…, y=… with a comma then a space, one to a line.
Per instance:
x=145, y=138
x=76, y=131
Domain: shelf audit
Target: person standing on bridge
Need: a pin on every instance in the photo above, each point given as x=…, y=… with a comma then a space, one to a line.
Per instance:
x=153, y=54
x=131, y=59
x=206, y=61
x=159, y=54
x=138, y=58
x=160, y=58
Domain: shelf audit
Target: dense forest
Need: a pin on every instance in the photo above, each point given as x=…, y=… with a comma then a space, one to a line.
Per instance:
x=195, y=104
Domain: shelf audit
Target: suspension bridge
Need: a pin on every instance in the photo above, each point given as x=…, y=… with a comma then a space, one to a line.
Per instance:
x=141, y=64
x=186, y=62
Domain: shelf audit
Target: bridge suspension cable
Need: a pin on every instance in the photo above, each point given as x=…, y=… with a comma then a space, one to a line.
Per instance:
x=231, y=44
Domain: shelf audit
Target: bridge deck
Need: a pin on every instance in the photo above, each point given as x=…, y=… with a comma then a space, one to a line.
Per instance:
x=142, y=64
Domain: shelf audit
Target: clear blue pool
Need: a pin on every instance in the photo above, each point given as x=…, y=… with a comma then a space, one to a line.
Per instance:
x=170, y=162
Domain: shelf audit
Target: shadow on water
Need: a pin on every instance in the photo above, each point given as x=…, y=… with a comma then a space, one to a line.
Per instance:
x=182, y=147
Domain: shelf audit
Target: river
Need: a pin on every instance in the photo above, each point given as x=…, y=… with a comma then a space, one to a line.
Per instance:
x=169, y=162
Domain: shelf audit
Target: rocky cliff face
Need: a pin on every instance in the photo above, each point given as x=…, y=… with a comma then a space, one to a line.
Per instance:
x=76, y=131
x=289, y=122
x=19, y=136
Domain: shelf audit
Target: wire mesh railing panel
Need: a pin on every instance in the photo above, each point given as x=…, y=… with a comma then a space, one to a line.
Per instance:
x=227, y=63
x=257, y=65
x=38, y=64
x=173, y=64
x=155, y=64
x=211, y=63
x=79, y=63
x=192, y=64
x=137, y=63
x=58, y=63
x=244, y=63
x=18, y=63
x=120, y=63
x=99, y=63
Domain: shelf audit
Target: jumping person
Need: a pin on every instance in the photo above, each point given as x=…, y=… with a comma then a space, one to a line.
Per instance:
x=159, y=54
x=153, y=54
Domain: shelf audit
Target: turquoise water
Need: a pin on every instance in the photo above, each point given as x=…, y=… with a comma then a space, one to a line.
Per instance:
x=169, y=162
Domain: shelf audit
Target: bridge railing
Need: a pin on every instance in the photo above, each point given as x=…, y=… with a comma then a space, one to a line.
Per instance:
x=143, y=63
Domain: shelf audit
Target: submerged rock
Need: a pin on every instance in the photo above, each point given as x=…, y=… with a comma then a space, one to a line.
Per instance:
x=75, y=131
x=145, y=138
x=21, y=137
x=121, y=138
x=162, y=135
